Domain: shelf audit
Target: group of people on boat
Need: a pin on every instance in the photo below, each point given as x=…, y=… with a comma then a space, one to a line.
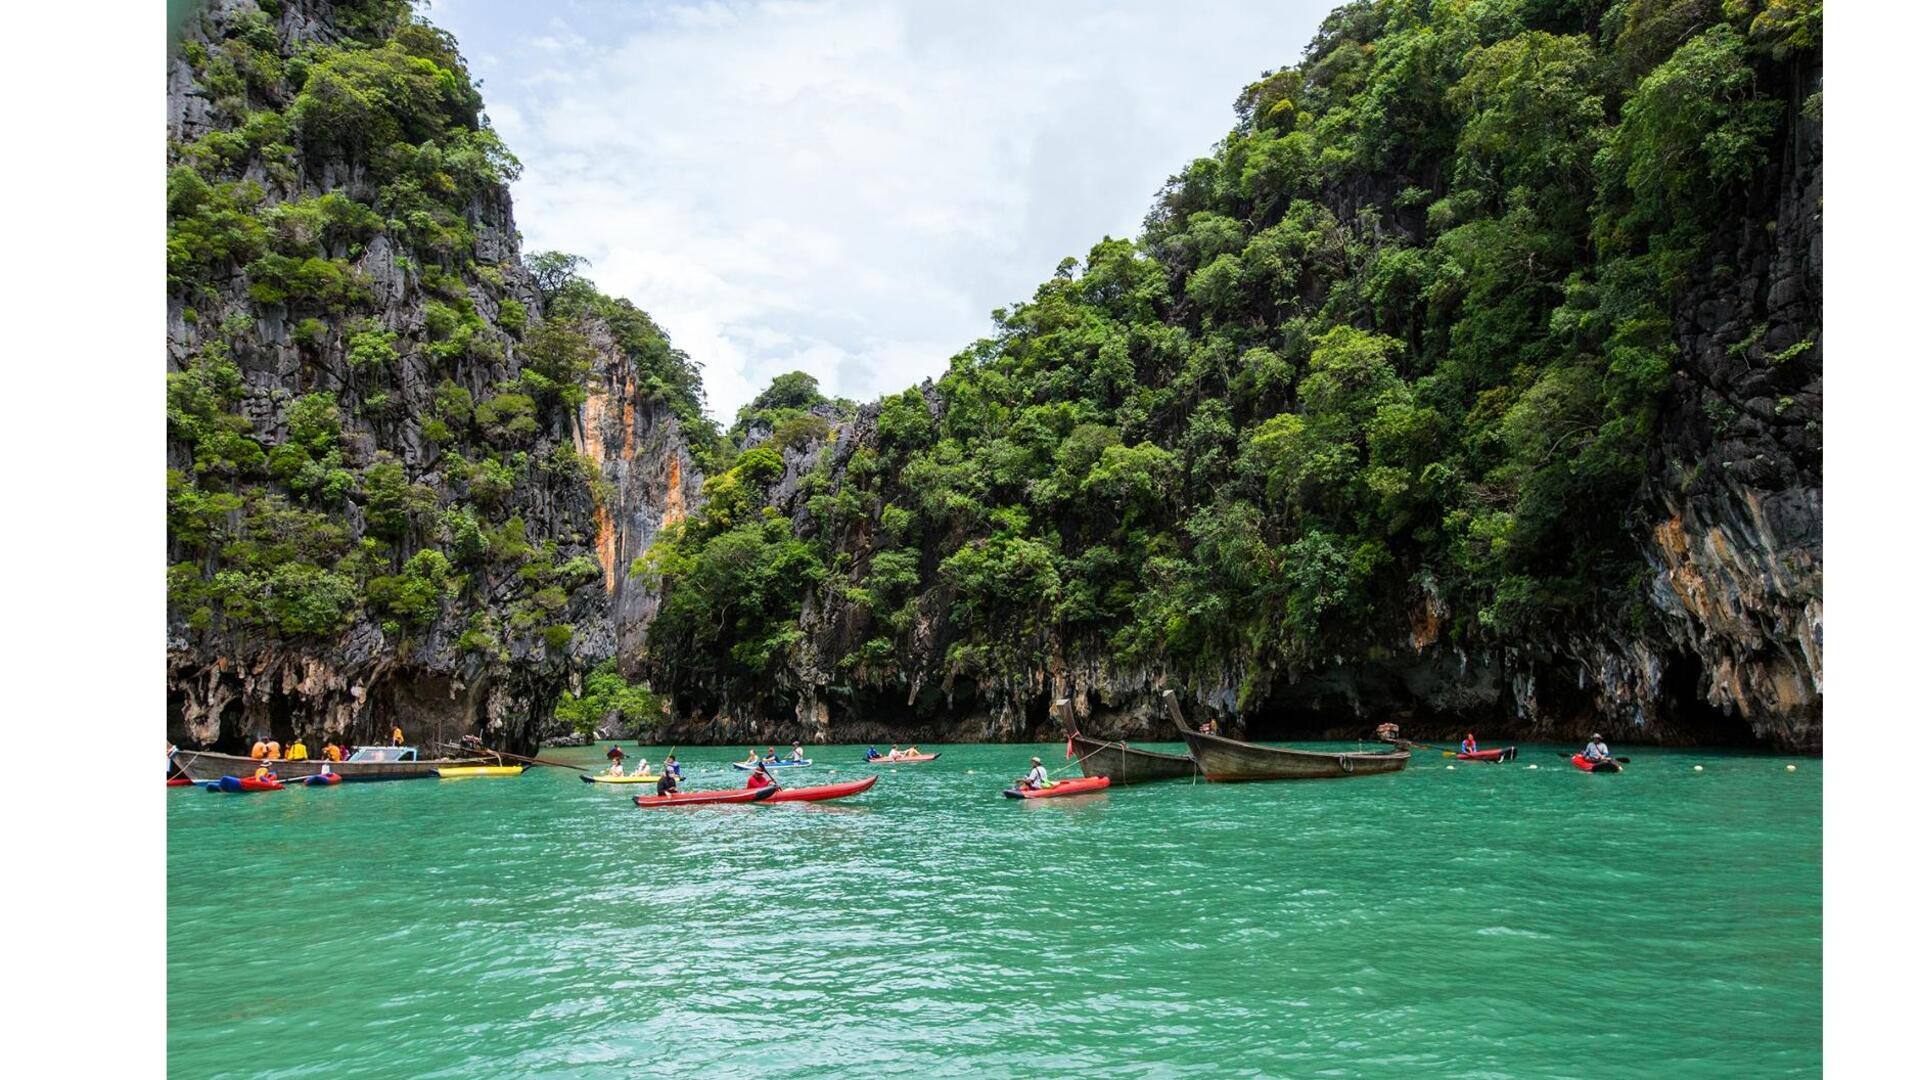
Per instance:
x=894, y=753
x=795, y=754
x=266, y=749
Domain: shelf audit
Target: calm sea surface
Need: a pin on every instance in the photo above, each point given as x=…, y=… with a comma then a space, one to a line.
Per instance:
x=1484, y=921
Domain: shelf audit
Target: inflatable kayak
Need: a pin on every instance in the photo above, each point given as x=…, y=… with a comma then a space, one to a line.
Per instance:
x=1505, y=753
x=885, y=760
x=235, y=784
x=747, y=766
x=322, y=779
x=703, y=798
x=460, y=772
x=1080, y=785
x=1581, y=763
x=823, y=792
x=603, y=778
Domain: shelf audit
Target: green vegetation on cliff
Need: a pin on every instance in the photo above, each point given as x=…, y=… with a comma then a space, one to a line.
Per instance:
x=370, y=399
x=1395, y=349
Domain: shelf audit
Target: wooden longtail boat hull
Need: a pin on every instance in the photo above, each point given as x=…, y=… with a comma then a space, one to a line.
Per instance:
x=207, y=765
x=1230, y=760
x=1125, y=764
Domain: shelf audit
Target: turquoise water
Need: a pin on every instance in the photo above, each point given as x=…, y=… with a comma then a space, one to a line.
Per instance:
x=1484, y=921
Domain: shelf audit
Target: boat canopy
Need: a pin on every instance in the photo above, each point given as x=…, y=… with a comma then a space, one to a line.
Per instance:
x=385, y=753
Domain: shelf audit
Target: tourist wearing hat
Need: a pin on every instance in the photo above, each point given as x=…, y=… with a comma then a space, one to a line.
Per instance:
x=1597, y=750
x=1036, y=777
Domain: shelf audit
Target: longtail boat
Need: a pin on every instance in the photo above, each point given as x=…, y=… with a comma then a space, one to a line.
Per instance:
x=1224, y=759
x=1119, y=762
x=366, y=763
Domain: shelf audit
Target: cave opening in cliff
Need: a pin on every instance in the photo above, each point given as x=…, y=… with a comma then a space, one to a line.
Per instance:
x=231, y=735
x=1689, y=716
x=280, y=716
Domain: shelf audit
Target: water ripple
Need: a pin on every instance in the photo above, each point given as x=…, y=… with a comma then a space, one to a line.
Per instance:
x=1488, y=922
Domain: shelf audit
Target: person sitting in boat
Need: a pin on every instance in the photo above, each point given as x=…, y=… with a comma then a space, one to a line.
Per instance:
x=616, y=768
x=872, y=754
x=263, y=771
x=893, y=752
x=641, y=769
x=669, y=781
x=912, y=751
x=773, y=756
x=1036, y=777
x=614, y=753
x=797, y=754
x=671, y=768
x=759, y=777
x=753, y=756
x=1596, y=750
x=259, y=750
x=298, y=751
x=1468, y=745
x=332, y=751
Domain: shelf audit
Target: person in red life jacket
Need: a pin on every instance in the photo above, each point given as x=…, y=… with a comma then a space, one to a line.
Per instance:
x=1468, y=745
x=615, y=754
x=759, y=777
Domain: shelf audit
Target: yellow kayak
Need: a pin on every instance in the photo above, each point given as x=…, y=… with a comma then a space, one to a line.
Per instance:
x=603, y=778
x=456, y=772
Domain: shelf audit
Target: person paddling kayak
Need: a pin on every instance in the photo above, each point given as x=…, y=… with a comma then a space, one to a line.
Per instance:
x=1597, y=750
x=669, y=781
x=759, y=777
x=872, y=754
x=1036, y=777
x=672, y=768
x=1468, y=745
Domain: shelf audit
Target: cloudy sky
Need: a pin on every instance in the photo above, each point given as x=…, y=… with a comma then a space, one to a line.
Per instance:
x=850, y=187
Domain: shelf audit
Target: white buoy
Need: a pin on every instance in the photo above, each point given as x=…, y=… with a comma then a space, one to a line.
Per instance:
x=1449, y=768
x=1699, y=768
x=1533, y=766
x=1793, y=768
x=969, y=772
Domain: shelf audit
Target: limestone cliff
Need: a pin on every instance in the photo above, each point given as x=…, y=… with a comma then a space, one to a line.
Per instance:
x=405, y=473
x=1473, y=381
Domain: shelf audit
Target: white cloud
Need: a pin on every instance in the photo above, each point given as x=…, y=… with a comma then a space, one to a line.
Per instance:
x=850, y=186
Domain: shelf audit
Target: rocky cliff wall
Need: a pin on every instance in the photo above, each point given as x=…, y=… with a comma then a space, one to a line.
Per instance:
x=336, y=596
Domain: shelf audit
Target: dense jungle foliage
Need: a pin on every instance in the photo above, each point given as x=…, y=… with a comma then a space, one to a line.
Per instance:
x=370, y=417
x=1397, y=344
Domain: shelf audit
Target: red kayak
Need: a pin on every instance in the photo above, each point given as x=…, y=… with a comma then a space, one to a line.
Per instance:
x=823, y=792
x=1580, y=762
x=1505, y=753
x=179, y=781
x=237, y=784
x=704, y=798
x=1081, y=785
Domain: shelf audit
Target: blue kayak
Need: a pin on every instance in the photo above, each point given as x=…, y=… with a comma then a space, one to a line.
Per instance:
x=748, y=766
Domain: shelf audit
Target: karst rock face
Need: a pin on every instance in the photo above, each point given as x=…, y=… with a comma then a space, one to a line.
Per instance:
x=413, y=472
x=404, y=309
x=1716, y=638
